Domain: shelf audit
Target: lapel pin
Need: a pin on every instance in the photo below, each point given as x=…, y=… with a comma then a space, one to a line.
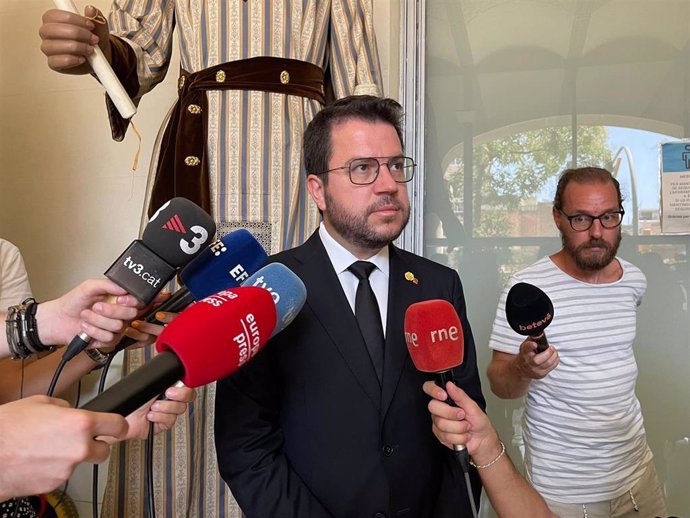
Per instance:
x=410, y=277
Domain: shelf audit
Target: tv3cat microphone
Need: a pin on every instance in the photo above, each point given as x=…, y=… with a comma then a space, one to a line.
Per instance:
x=210, y=339
x=174, y=235
x=529, y=311
x=225, y=264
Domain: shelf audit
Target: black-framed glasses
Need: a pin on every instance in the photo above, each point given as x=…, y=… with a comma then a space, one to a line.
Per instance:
x=582, y=222
x=365, y=170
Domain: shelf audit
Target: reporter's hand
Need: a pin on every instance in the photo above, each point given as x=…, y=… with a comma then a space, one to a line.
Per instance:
x=465, y=424
x=68, y=38
x=42, y=440
x=535, y=365
x=162, y=412
x=146, y=332
x=86, y=308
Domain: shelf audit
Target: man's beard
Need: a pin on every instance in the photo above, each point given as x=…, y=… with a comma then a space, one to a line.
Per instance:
x=588, y=262
x=355, y=228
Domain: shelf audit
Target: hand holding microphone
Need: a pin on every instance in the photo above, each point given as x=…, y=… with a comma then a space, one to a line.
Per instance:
x=435, y=340
x=211, y=339
x=529, y=311
x=176, y=233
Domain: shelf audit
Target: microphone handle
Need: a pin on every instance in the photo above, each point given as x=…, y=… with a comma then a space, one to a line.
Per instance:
x=459, y=450
x=142, y=385
x=541, y=341
x=176, y=303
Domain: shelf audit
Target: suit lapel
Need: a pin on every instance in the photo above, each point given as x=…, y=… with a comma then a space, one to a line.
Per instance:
x=329, y=305
x=401, y=293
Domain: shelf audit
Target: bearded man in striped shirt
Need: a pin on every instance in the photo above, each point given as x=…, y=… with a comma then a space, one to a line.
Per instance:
x=586, y=450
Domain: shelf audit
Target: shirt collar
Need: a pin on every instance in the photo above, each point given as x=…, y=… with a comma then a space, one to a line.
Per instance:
x=341, y=258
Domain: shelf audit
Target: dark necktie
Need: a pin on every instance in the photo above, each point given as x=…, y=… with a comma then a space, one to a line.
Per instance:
x=368, y=315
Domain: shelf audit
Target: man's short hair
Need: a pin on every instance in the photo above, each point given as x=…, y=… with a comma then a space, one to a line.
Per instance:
x=585, y=175
x=316, y=144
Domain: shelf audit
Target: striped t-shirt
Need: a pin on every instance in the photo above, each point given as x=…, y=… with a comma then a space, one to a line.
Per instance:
x=583, y=430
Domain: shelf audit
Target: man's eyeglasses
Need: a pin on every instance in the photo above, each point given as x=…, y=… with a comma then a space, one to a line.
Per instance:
x=364, y=171
x=582, y=222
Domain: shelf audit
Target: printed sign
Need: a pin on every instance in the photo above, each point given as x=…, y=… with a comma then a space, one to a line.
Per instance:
x=675, y=187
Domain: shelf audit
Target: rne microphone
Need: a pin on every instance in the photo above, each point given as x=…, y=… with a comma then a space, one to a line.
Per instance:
x=224, y=264
x=176, y=233
x=435, y=340
x=529, y=311
x=207, y=341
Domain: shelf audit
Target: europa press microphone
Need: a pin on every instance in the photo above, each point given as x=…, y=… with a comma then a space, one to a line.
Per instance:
x=528, y=311
x=174, y=235
x=434, y=337
x=224, y=264
x=210, y=340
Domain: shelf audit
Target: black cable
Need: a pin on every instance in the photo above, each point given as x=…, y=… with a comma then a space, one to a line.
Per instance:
x=56, y=377
x=150, y=502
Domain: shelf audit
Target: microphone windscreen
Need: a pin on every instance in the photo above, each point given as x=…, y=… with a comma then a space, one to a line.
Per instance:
x=217, y=335
x=179, y=231
x=434, y=336
x=287, y=290
x=528, y=309
x=226, y=263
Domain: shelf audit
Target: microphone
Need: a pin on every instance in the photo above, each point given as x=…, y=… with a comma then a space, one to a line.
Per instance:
x=176, y=233
x=286, y=289
x=435, y=340
x=223, y=265
x=210, y=340
x=529, y=311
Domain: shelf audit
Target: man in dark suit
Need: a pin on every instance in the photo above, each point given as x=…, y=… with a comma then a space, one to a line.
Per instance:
x=325, y=422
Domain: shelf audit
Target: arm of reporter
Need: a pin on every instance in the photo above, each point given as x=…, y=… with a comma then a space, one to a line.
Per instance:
x=42, y=440
x=510, y=494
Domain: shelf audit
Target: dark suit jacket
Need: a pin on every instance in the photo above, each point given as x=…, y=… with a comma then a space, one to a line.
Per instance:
x=305, y=430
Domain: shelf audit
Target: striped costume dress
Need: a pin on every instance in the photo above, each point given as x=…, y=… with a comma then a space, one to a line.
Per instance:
x=256, y=180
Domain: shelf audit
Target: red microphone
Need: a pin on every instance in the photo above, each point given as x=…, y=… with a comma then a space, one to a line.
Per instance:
x=207, y=341
x=434, y=337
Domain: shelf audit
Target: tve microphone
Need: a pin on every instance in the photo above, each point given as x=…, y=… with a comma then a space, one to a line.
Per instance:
x=209, y=340
x=434, y=337
x=224, y=264
x=287, y=290
x=529, y=310
x=176, y=233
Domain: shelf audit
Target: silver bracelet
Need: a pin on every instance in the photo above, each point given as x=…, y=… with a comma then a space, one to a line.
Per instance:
x=488, y=465
x=97, y=357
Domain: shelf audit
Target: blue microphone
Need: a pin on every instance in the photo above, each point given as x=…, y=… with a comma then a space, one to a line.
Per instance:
x=224, y=264
x=287, y=290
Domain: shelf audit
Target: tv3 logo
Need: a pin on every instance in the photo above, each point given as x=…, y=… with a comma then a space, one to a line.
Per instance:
x=189, y=246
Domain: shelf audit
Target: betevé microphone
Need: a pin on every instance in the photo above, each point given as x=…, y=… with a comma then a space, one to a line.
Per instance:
x=435, y=340
x=224, y=264
x=529, y=311
x=176, y=233
x=207, y=341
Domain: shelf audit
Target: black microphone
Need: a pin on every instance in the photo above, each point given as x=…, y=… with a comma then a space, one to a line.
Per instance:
x=226, y=263
x=211, y=339
x=176, y=233
x=529, y=311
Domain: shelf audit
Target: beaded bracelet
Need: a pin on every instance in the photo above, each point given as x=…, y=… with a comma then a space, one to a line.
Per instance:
x=488, y=465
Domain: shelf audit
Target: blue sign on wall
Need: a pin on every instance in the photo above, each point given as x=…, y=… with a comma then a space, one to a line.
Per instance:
x=675, y=157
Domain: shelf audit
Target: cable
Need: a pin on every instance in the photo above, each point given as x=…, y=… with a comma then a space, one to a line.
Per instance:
x=463, y=462
x=56, y=376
